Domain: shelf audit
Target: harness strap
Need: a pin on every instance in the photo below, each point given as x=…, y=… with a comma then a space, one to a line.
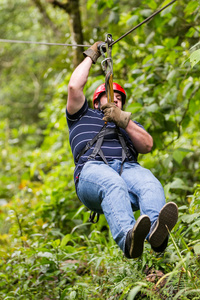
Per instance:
x=97, y=150
x=90, y=143
x=98, y=139
x=93, y=214
x=124, y=146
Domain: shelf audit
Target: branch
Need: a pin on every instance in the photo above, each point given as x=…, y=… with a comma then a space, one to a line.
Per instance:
x=66, y=6
x=72, y=8
x=188, y=104
x=183, y=117
x=46, y=17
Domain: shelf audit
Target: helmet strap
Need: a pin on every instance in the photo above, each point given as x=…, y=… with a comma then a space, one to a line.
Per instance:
x=99, y=104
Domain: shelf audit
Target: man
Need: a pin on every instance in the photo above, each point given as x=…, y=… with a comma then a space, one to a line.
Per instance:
x=108, y=178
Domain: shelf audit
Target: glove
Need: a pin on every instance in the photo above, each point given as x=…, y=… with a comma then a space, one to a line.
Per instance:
x=94, y=51
x=112, y=113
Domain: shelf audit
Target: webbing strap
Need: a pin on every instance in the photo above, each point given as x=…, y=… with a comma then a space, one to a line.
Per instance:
x=124, y=146
x=90, y=143
x=98, y=139
x=97, y=149
x=93, y=214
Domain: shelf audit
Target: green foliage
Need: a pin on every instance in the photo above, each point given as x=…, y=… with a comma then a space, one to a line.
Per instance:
x=48, y=248
x=80, y=266
x=195, y=55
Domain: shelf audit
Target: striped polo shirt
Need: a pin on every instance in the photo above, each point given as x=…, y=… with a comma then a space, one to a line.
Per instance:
x=83, y=127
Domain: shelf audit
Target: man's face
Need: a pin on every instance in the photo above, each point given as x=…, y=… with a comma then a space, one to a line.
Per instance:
x=103, y=100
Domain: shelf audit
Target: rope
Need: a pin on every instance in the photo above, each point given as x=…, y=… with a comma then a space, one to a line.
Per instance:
x=146, y=20
x=42, y=43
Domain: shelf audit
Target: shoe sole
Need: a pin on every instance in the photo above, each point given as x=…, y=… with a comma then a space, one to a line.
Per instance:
x=167, y=219
x=139, y=233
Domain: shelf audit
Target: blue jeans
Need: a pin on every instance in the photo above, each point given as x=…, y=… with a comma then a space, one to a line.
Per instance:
x=103, y=190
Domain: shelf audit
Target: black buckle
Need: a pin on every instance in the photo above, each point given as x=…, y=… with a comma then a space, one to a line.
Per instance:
x=93, y=214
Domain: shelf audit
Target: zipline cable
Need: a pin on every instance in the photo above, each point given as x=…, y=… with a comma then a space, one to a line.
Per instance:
x=41, y=43
x=146, y=20
x=77, y=45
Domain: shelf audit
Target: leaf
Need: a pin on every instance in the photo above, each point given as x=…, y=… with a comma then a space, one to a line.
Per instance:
x=45, y=254
x=90, y=3
x=178, y=184
x=191, y=7
x=4, y=276
x=132, y=20
x=70, y=249
x=56, y=243
x=195, y=47
x=62, y=297
x=180, y=154
x=171, y=75
x=172, y=21
x=197, y=249
x=152, y=4
x=195, y=58
x=113, y=17
x=146, y=12
x=33, y=168
x=152, y=108
x=169, y=43
x=189, y=218
x=3, y=202
x=135, y=107
x=92, y=88
x=149, y=38
x=65, y=240
x=98, y=262
x=186, y=88
x=167, y=9
x=134, y=292
x=72, y=295
x=78, y=212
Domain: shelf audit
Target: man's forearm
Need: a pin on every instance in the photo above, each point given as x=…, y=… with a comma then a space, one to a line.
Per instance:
x=80, y=75
x=141, y=139
x=76, y=84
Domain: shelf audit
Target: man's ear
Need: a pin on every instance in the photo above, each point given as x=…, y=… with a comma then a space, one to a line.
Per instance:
x=96, y=104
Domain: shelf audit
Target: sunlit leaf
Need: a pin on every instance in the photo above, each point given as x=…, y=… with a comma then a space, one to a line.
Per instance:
x=179, y=154
x=197, y=249
x=195, y=58
x=65, y=240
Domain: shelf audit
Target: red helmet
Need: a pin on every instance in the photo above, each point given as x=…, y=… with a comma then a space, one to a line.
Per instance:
x=116, y=87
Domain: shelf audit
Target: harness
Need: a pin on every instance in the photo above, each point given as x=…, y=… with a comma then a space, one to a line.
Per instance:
x=128, y=151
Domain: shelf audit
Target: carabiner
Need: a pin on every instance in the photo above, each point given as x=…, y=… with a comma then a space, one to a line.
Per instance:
x=107, y=63
x=107, y=66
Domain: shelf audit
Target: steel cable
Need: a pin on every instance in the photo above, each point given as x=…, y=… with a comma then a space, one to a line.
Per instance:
x=41, y=43
x=146, y=20
x=77, y=45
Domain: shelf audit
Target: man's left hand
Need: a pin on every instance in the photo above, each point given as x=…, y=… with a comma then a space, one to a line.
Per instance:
x=112, y=113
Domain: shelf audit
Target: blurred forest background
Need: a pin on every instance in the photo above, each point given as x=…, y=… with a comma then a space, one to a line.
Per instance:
x=48, y=250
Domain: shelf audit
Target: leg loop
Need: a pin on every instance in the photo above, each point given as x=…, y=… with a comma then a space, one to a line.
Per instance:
x=93, y=214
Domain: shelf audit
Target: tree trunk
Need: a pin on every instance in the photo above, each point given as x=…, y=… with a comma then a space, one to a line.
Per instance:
x=71, y=7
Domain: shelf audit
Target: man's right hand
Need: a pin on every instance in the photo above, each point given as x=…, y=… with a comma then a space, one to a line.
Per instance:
x=94, y=51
